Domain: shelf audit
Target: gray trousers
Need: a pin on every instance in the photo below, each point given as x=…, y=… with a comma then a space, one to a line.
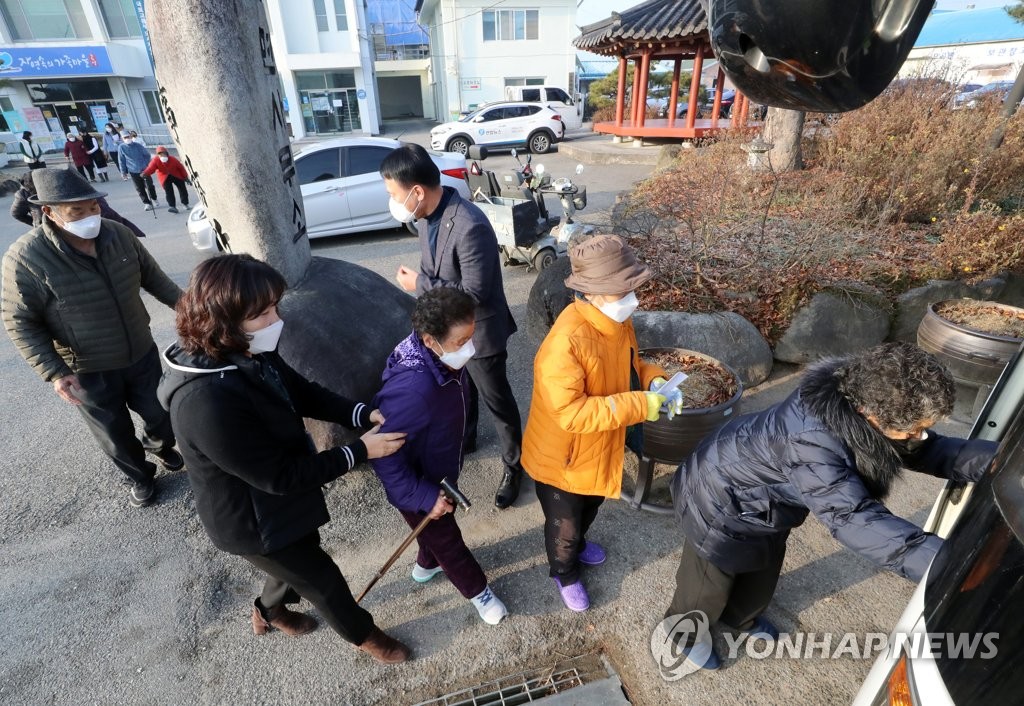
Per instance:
x=107, y=398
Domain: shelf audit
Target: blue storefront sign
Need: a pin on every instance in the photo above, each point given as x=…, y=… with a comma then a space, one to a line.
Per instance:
x=51, y=62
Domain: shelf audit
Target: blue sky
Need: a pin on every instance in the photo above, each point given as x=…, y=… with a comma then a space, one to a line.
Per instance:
x=594, y=10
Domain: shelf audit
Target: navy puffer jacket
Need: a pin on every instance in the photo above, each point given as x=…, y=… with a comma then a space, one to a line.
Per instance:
x=750, y=482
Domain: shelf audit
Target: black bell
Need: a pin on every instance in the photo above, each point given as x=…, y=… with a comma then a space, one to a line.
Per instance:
x=823, y=56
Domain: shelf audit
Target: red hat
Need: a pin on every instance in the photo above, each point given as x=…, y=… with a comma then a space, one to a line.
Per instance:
x=161, y=148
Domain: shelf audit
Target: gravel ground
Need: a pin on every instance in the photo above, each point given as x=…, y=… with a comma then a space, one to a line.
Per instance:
x=102, y=603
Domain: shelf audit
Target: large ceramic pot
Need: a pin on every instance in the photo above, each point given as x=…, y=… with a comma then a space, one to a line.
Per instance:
x=672, y=440
x=973, y=358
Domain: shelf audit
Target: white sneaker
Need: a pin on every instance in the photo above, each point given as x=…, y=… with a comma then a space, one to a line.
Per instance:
x=489, y=606
x=421, y=575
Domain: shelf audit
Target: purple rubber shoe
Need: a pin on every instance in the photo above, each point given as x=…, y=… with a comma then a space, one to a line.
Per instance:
x=574, y=596
x=593, y=554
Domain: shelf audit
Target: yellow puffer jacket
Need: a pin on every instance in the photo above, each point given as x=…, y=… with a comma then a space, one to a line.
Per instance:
x=576, y=433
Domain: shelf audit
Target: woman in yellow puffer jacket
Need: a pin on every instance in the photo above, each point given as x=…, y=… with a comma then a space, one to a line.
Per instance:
x=588, y=389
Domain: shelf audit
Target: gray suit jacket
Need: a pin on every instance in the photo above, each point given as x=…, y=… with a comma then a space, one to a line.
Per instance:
x=467, y=259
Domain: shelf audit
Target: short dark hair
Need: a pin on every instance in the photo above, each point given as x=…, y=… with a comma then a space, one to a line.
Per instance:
x=410, y=165
x=222, y=293
x=898, y=383
x=438, y=310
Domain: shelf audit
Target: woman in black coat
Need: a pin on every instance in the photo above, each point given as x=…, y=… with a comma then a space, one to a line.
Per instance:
x=833, y=447
x=237, y=411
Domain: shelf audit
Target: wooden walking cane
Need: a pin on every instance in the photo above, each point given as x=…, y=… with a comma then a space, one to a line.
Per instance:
x=453, y=494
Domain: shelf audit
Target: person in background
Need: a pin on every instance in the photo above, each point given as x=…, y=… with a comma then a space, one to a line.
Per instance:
x=589, y=387
x=72, y=304
x=31, y=214
x=834, y=447
x=172, y=174
x=426, y=395
x=458, y=248
x=30, y=151
x=135, y=136
x=94, y=148
x=133, y=159
x=76, y=152
x=111, y=143
x=257, y=480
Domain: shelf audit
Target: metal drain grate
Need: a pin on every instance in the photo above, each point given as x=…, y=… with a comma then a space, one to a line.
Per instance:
x=528, y=687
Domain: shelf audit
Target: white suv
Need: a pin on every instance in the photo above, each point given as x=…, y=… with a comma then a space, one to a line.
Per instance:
x=503, y=125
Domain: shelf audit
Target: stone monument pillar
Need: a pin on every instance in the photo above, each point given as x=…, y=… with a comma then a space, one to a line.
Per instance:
x=221, y=96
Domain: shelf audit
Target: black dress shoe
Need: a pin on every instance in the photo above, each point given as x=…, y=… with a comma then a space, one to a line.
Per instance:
x=170, y=459
x=508, y=491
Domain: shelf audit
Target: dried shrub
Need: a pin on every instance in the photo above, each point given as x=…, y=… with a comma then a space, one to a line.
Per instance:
x=899, y=192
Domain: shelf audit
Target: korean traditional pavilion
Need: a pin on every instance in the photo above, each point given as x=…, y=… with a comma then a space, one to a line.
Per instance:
x=653, y=31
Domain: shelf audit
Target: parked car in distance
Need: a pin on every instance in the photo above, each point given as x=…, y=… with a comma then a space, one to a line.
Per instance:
x=966, y=613
x=571, y=109
x=504, y=125
x=342, y=190
x=992, y=90
x=703, y=110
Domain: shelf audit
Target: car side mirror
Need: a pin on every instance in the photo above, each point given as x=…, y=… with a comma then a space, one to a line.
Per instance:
x=478, y=119
x=515, y=152
x=579, y=169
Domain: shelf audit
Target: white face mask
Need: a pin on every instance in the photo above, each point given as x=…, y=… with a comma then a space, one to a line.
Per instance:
x=265, y=339
x=109, y=131
x=621, y=309
x=164, y=159
x=456, y=360
x=399, y=211
x=86, y=228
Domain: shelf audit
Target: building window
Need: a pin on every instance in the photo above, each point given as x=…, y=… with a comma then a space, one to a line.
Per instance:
x=505, y=25
x=45, y=19
x=120, y=18
x=320, y=10
x=340, y=18
x=534, y=81
x=154, y=110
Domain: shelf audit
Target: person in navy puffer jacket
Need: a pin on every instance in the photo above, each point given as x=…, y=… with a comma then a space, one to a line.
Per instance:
x=834, y=447
x=426, y=394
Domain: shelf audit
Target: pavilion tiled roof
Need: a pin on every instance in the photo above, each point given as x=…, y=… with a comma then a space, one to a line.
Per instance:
x=650, y=21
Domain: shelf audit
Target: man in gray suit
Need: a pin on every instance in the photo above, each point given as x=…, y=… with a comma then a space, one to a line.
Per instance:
x=458, y=248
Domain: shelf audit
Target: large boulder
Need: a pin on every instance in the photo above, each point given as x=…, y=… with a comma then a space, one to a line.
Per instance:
x=342, y=322
x=548, y=296
x=834, y=322
x=725, y=336
x=912, y=305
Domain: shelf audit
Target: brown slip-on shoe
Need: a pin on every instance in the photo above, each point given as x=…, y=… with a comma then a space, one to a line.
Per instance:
x=384, y=648
x=287, y=621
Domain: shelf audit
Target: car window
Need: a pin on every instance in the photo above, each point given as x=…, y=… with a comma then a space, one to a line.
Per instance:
x=557, y=94
x=516, y=111
x=530, y=110
x=492, y=115
x=531, y=94
x=364, y=159
x=318, y=166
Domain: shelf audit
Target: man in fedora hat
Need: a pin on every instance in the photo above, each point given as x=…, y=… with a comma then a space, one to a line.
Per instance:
x=589, y=388
x=458, y=248
x=71, y=304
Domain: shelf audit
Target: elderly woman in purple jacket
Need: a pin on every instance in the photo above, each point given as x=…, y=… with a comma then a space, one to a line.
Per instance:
x=426, y=394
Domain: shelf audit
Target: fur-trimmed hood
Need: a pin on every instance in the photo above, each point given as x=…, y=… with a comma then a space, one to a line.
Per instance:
x=878, y=463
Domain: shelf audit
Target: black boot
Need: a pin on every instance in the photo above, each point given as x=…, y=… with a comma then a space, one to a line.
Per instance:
x=508, y=491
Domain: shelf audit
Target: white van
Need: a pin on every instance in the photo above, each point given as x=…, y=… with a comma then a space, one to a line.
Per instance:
x=571, y=109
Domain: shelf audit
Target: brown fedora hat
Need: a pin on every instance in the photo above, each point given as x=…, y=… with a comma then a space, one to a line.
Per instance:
x=605, y=264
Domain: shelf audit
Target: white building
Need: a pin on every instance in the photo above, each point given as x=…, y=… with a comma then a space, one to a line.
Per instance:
x=322, y=50
x=477, y=48
x=74, y=65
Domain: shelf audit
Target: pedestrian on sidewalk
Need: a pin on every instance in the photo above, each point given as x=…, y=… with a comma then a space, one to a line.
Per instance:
x=588, y=391
x=257, y=480
x=71, y=303
x=94, y=148
x=31, y=214
x=172, y=174
x=458, y=248
x=76, y=152
x=30, y=151
x=111, y=143
x=133, y=159
x=834, y=447
x=426, y=395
